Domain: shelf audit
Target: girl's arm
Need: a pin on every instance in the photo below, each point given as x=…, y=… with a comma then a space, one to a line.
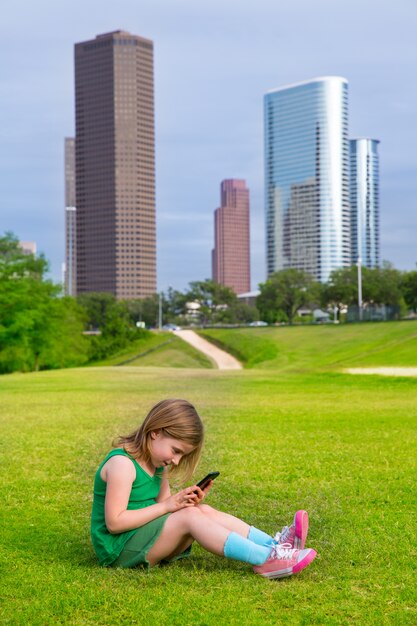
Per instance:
x=119, y=474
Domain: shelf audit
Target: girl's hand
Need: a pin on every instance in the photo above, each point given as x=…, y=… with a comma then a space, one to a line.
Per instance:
x=182, y=499
x=201, y=493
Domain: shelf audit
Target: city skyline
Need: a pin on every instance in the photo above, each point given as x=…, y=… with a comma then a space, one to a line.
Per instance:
x=208, y=111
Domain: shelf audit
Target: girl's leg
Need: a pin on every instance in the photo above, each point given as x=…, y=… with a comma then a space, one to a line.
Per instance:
x=191, y=523
x=238, y=526
x=179, y=531
x=224, y=519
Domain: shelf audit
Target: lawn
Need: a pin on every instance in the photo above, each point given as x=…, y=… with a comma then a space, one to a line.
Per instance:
x=321, y=348
x=342, y=447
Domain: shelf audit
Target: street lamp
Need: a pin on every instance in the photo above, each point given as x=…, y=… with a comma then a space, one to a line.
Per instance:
x=160, y=312
x=360, y=287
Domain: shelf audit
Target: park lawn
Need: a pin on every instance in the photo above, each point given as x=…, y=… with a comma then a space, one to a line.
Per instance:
x=161, y=349
x=321, y=347
x=342, y=447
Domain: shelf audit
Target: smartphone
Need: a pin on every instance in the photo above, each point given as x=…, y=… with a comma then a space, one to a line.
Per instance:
x=205, y=481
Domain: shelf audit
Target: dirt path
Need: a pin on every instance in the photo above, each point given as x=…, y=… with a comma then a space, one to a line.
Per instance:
x=223, y=360
x=384, y=371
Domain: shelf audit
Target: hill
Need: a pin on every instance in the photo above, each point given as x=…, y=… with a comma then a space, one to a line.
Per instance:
x=324, y=347
x=160, y=349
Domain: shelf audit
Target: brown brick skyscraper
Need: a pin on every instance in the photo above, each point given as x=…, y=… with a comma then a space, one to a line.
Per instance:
x=231, y=254
x=115, y=165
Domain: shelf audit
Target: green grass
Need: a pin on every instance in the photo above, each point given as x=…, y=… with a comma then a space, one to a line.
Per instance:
x=343, y=447
x=160, y=349
x=326, y=347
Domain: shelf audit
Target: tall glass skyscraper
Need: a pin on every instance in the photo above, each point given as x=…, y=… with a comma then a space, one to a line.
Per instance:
x=307, y=177
x=364, y=200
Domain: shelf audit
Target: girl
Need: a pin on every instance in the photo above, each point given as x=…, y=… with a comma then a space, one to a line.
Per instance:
x=136, y=520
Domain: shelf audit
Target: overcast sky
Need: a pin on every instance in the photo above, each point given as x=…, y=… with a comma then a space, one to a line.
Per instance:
x=214, y=61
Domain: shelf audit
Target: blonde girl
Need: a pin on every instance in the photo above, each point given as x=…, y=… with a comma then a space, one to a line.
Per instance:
x=136, y=520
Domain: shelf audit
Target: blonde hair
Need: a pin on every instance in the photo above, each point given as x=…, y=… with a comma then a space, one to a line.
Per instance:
x=177, y=419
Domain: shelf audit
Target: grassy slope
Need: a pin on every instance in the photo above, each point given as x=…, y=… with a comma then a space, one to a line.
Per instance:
x=340, y=446
x=163, y=350
x=324, y=347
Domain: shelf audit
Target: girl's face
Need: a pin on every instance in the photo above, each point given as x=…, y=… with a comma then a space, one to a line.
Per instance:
x=166, y=450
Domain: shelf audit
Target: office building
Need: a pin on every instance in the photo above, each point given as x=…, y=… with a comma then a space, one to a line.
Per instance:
x=364, y=201
x=231, y=253
x=115, y=165
x=307, y=177
x=70, y=276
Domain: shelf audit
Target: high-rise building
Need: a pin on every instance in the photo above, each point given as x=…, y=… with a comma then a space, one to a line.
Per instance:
x=364, y=200
x=70, y=276
x=115, y=165
x=231, y=253
x=307, y=177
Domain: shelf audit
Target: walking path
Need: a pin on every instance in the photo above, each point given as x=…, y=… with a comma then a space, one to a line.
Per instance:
x=223, y=360
x=384, y=371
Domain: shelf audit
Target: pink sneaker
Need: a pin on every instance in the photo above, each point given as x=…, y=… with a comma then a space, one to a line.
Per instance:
x=296, y=534
x=285, y=561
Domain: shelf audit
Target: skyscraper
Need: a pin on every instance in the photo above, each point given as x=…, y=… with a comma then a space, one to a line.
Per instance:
x=307, y=177
x=115, y=165
x=70, y=280
x=231, y=253
x=364, y=200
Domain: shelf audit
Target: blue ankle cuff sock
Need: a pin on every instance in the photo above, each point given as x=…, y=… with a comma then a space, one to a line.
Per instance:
x=259, y=537
x=241, y=549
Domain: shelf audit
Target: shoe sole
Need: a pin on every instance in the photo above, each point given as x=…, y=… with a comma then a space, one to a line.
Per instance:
x=301, y=529
x=292, y=570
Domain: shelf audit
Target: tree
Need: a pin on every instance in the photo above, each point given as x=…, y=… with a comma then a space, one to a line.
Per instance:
x=146, y=310
x=342, y=288
x=217, y=302
x=97, y=306
x=37, y=328
x=284, y=293
x=61, y=342
x=174, y=304
x=409, y=289
x=115, y=321
x=380, y=285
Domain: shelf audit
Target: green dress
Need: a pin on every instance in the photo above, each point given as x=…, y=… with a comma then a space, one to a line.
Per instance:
x=129, y=548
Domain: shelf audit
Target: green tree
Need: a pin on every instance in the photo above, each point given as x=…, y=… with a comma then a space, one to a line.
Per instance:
x=342, y=288
x=146, y=310
x=174, y=305
x=37, y=328
x=97, y=306
x=217, y=302
x=380, y=285
x=409, y=289
x=284, y=293
x=113, y=319
x=61, y=343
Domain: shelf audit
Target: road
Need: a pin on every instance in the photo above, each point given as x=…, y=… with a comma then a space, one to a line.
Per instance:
x=222, y=359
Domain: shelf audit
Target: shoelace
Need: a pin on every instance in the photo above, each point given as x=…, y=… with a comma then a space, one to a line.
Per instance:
x=283, y=535
x=282, y=551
